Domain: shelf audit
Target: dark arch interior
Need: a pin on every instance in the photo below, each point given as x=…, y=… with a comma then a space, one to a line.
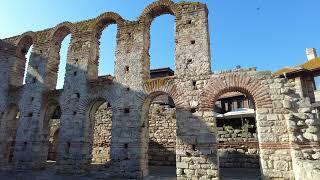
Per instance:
x=51, y=127
x=58, y=58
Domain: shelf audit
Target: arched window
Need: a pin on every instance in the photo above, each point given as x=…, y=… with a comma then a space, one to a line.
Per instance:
x=63, y=61
x=28, y=56
x=58, y=58
x=162, y=42
x=21, y=66
x=106, y=29
x=107, y=47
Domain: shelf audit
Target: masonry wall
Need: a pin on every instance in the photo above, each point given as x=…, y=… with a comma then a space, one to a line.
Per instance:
x=286, y=145
x=238, y=147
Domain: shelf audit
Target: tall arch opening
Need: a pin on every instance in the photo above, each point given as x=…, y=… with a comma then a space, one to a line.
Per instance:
x=159, y=121
x=9, y=125
x=50, y=132
x=58, y=58
x=100, y=133
x=21, y=66
x=106, y=29
x=237, y=136
x=107, y=46
x=63, y=61
x=160, y=45
x=28, y=57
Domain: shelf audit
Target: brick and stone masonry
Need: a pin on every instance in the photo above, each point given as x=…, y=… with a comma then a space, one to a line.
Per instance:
x=287, y=131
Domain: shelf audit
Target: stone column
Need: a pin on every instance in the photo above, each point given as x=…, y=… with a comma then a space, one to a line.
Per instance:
x=127, y=129
x=192, y=41
x=196, y=145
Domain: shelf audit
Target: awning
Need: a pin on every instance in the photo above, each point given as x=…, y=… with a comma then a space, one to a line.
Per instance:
x=238, y=113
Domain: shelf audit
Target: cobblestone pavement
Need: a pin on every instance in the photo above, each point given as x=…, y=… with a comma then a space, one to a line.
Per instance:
x=156, y=173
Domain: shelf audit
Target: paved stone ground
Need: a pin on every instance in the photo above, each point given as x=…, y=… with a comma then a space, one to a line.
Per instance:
x=240, y=174
x=156, y=173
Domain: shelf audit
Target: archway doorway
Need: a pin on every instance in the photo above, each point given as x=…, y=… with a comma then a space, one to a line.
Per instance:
x=237, y=137
x=100, y=133
x=160, y=133
x=50, y=133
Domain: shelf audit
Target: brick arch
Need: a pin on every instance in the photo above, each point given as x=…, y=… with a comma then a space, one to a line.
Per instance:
x=23, y=43
x=156, y=87
x=218, y=86
x=87, y=109
x=56, y=37
x=110, y=97
x=104, y=20
x=61, y=30
x=158, y=8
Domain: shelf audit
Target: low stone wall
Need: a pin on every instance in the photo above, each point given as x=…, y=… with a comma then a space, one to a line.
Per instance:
x=162, y=134
x=102, y=134
x=237, y=148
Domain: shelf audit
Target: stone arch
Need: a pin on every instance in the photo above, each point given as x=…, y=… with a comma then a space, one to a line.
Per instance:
x=234, y=82
x=23, y=43
x=98, y=25
x=151, y=12
x=85, y=103
x=158, y=8
x=104, y=20
x=155, y=87
x=56, y=37
x=217, y=86
x=88, y=108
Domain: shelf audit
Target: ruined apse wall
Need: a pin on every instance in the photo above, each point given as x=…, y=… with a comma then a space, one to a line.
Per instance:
x=194, y=90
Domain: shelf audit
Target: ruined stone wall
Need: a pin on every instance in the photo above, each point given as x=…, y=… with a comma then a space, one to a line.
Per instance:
x=285, y=143
x=238, y=148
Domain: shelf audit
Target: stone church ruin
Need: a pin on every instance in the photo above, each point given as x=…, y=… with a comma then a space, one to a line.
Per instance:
x=192, y=120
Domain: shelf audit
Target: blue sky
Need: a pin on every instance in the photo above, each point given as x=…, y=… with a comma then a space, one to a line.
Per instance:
x=267, y=34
